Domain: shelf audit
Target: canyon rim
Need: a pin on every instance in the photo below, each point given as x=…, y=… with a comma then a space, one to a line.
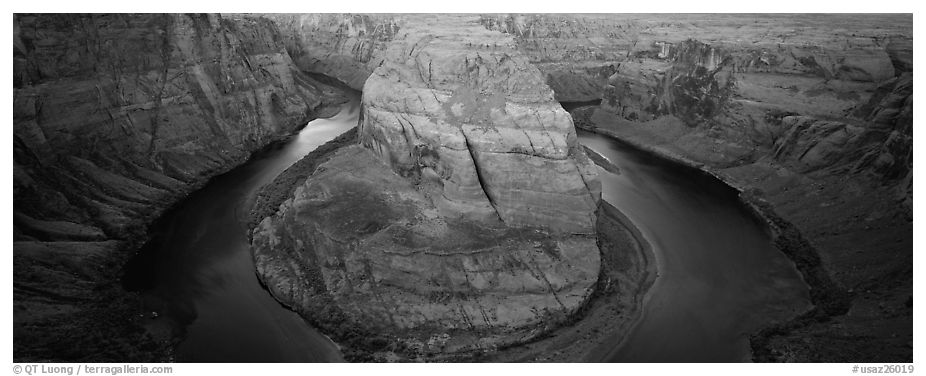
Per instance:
x=461, y=218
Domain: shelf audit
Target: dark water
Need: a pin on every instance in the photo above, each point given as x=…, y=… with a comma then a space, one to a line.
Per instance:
x=719, y=276
x=197, y=272
x=569, y=106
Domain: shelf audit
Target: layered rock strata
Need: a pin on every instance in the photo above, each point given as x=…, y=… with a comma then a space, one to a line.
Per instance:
x=463, y=222
x=344, y=46
x=812, y=113
x=421, y=81
x=115, y=117
x=477, y=129
x=739, y=75
x=576, y=54
x=369, y=259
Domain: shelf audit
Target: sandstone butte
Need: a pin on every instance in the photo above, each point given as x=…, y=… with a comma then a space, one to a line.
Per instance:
x=465, y=219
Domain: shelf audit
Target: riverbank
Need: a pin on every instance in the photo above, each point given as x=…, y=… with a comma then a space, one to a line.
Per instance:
x=270, y=196
x=840, y=325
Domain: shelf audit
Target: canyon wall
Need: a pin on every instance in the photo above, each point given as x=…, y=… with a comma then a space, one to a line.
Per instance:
x=739, y=76
x=465, y=220
x=575, y=54
x=810, y=113
x=115, y=117
x=344, y=46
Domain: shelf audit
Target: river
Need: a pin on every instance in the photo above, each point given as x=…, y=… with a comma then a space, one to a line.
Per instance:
x=720, y=278
x=198, y=276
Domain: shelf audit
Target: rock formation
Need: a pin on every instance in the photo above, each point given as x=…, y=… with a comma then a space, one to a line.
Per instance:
x=344, y=46
x=740, y=84
x=812, y=113
x=115, y=117
x=575, y=54
x=479, y=131
x=464, y=222
x=413, y=108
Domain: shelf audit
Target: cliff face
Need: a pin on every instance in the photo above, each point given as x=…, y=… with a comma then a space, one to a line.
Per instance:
x=114, y=118
x=739, y=77
x=778, y=102
x=472, y=122
x=345, y=46
x=464, y=222
x=420, y=86
x=575, y=54
x=812, y=113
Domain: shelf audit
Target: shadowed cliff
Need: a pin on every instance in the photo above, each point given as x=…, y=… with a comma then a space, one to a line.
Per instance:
x=116, y=117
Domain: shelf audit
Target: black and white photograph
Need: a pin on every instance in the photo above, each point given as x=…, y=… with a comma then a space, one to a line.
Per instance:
x=479, y=187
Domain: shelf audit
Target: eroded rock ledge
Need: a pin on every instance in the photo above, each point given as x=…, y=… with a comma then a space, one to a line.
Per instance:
x=463, y=222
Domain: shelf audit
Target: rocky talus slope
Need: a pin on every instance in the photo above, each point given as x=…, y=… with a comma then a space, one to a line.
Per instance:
x=115, y=117
x=811, y=115
x=465, y=220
